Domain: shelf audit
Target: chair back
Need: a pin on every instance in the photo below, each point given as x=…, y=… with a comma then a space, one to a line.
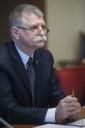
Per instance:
x=73, y=79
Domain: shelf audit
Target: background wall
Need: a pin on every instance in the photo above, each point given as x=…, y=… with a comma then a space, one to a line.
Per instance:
x=65, y=18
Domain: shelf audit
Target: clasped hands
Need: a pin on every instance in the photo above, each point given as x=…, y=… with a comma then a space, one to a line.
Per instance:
x=68, y=107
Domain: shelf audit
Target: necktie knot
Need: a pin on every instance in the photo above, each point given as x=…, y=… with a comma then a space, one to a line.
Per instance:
x=29, y=62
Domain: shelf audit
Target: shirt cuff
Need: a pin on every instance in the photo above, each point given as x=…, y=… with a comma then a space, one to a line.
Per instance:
x=50, y=115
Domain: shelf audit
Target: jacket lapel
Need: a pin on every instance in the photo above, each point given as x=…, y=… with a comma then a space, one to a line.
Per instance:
x=38, y=77
x=19, y=66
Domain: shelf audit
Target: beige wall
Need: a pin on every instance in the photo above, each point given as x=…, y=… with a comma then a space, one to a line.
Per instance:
x=65, y=18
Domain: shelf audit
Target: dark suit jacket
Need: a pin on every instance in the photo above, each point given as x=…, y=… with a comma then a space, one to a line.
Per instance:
x=16, y=104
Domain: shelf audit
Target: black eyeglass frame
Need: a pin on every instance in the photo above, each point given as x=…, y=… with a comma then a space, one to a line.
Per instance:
x=34, y=28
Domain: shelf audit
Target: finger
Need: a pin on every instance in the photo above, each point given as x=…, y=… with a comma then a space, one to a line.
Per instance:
x=75, y=112
x=69, y=107
x=69, y=99
x=72, y=104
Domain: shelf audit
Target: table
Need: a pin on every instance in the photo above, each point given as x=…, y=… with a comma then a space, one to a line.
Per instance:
x=24, y=126
x=82, y=115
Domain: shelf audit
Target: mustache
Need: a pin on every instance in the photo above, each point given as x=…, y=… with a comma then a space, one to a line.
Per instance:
x=40, y=38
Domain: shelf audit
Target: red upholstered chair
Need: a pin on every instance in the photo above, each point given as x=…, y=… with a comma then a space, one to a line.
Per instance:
x=72, y=79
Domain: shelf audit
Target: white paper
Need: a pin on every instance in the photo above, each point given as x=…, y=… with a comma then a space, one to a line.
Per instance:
x=78, y=123
x=55, y=126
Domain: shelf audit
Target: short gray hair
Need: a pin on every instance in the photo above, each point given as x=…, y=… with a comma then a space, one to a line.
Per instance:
x=16, y=14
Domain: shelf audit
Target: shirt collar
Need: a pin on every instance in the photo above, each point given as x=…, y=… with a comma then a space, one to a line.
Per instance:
x=23, y=56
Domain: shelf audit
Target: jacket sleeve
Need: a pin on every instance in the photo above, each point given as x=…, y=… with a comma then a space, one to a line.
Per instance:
x=56, y=90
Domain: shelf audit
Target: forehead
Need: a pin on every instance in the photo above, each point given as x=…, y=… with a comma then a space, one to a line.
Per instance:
x=32, y=19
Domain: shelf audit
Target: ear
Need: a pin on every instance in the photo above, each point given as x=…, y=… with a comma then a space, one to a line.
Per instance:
x=15, y=33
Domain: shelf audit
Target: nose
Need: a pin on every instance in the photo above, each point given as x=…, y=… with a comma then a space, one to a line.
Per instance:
x=40, y=27
x=41, y=30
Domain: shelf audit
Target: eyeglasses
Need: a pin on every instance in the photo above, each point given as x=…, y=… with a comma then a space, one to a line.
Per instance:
x=35, y=28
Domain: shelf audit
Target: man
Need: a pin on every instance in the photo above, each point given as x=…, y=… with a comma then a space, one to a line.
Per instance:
x=19, y=102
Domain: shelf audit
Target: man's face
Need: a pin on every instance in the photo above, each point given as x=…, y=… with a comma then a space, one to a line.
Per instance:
x=32, y=33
